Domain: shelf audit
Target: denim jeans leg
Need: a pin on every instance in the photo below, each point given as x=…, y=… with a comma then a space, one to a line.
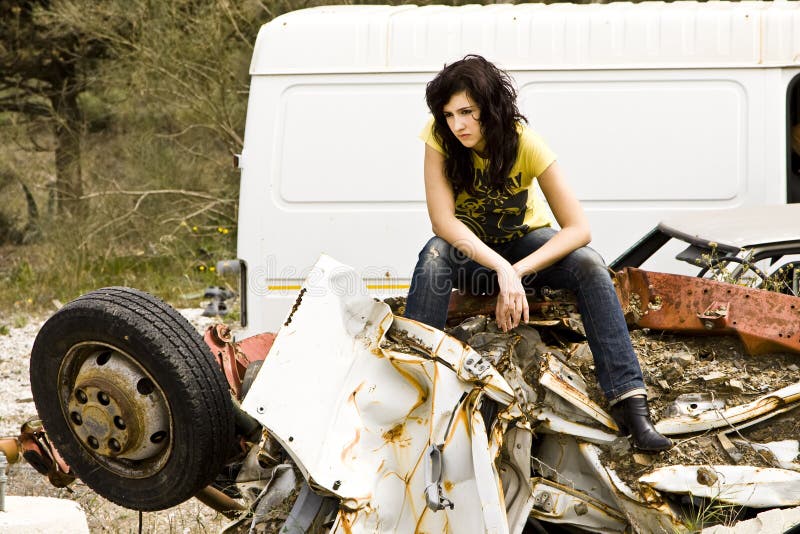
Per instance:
x=440, y=268
x=584, y=272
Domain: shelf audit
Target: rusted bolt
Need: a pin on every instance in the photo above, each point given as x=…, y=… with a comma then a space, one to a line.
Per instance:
x=221, y=333
x=706, y=476
x=337, y=484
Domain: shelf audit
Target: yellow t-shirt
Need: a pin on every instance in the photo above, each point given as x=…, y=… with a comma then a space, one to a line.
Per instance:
x=499, y=217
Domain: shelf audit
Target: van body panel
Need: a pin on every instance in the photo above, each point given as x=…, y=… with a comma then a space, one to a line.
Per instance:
x=554, y=36
x=348, y=119
x=332, y=161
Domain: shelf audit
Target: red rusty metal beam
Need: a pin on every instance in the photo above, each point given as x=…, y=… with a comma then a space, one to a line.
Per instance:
x=233, y=357
x=765, y=321
x=463, y=305
x=33, y=445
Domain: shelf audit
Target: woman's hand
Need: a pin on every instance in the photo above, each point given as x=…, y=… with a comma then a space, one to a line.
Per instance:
x=512, y=303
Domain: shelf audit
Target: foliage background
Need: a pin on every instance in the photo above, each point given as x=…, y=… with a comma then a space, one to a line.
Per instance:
x=118, y=122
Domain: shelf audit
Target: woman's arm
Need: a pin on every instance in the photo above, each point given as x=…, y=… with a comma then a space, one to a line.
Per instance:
x=568, y=212
x=442, y=212
x=512, y=304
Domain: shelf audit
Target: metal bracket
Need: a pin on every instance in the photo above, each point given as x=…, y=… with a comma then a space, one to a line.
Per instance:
x=434, y=496
x=476, y=366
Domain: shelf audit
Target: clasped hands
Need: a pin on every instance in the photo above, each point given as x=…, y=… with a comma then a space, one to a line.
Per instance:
x=512, y=302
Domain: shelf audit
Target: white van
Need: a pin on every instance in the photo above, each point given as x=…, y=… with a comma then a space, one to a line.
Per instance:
x=655, y=109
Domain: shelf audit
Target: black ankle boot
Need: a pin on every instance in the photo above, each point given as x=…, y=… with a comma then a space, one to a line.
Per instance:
x=633, y=418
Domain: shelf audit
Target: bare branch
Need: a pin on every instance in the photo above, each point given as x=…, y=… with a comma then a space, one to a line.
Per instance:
x=227, y=9
x=144, y=194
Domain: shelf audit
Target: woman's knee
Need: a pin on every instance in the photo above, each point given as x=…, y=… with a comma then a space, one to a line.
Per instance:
x=585, y=263
x=436, y=252
x=434, y=271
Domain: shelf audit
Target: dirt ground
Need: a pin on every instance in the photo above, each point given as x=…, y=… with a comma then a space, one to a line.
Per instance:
x=731, y=376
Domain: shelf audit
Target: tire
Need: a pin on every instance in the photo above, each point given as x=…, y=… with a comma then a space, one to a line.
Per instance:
x=132, y=398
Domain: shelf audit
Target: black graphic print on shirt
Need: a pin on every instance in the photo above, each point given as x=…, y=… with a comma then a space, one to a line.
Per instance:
x=492, y=215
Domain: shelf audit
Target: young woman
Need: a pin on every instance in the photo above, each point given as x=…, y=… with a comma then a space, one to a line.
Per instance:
x=493, y=235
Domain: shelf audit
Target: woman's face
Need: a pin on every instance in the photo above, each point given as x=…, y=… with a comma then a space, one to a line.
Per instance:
x=463, y=118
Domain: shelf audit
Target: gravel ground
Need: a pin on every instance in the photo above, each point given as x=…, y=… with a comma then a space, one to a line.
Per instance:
x=16, y=407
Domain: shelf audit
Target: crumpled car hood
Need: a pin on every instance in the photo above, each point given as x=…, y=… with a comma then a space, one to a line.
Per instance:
x=358, y=419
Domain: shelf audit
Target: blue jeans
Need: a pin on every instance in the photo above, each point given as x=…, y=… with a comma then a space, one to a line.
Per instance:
x=442, y=267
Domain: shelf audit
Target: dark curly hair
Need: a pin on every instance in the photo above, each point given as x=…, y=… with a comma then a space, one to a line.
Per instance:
x=493, y=92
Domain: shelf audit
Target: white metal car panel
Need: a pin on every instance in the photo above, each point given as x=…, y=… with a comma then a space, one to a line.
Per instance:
x=657, y=160
x=359, y=419
x=767, y=405
x=741, y=485
x=345, y=167
x=537, y=36
x=740, y=227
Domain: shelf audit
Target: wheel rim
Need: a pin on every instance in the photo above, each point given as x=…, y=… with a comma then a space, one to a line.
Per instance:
x=115, y=409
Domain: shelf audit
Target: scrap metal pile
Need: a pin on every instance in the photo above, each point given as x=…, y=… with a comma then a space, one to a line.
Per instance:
x=732, y=416
x=354, y=419
x=554, y=447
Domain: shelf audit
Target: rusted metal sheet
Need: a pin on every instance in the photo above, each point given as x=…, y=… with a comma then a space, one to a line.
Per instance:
x=233, y=357
x=778, y=453
x=462, y=359
x=555, y=423
x=464, y=305
x=765, y=321
x=558, y=458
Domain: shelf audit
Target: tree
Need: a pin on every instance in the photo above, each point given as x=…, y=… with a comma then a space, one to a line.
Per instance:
x=44, y=67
